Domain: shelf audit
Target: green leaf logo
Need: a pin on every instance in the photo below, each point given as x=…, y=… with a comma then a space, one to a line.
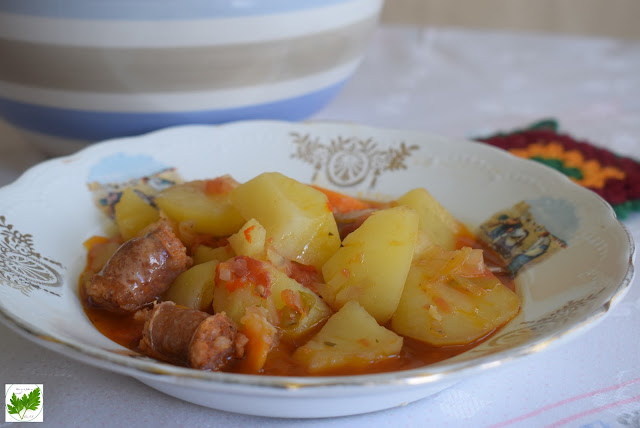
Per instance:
x=19, y=406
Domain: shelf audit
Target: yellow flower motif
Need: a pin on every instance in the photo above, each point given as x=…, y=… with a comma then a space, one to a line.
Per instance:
x=593, y=174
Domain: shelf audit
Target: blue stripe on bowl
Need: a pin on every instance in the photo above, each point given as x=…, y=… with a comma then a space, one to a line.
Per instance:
x=151, y=10
x=95, y=126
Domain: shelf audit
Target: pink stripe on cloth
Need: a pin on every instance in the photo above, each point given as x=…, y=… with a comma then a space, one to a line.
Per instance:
x=592, y=411
x=563, y=402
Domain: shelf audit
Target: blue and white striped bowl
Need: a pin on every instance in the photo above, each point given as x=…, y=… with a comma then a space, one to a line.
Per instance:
x=80, y=71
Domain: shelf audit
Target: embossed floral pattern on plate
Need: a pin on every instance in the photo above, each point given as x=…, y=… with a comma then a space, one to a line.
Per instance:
x=22, y=267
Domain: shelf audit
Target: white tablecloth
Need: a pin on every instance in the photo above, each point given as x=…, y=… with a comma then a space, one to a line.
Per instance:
x=455, y=83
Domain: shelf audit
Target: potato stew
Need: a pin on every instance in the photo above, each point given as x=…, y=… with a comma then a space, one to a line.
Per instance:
x=273, y=276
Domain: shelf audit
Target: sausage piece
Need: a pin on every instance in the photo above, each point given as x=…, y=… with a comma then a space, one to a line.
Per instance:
x=190, y=337
x=140, y=271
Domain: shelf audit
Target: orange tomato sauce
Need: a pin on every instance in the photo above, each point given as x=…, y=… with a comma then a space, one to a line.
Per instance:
x=125, y=330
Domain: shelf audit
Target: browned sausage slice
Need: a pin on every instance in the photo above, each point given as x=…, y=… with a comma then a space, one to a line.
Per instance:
x=215, y=341
x=140, y=271
x=191, y=337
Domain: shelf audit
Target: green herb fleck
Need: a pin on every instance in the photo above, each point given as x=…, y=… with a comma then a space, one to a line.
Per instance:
x=329, y=343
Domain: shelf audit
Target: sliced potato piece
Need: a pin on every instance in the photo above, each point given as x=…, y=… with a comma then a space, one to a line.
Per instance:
x=297, y=217
x=243, y=282
x=133, y=214
x=211, y=213
x=249, y=240
x=440, y=226
x=194, y=287
x=204, y=253
x=351, y=338
x=451, y=298
x=373, y=262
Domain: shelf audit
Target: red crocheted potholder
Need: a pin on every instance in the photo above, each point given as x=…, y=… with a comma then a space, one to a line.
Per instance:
x=615, y=178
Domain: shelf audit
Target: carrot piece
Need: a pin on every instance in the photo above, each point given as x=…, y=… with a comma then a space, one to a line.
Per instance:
x=95, y=240
x=262, y=337
x=99, y=250
x=247, y=233
x=339, y=202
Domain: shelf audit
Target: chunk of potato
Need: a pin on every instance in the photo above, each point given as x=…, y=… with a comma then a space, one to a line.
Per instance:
x=211, y=213
x=204, y=253
x=133, y=214
x=373, y=262
x=440, y=226
x=194, y=287
x=243, y=282
x=297, y=217
x=451, y=298
x=249, y=240
x=350, y=339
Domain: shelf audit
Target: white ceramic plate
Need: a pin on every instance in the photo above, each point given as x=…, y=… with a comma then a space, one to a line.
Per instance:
x=47, y=214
